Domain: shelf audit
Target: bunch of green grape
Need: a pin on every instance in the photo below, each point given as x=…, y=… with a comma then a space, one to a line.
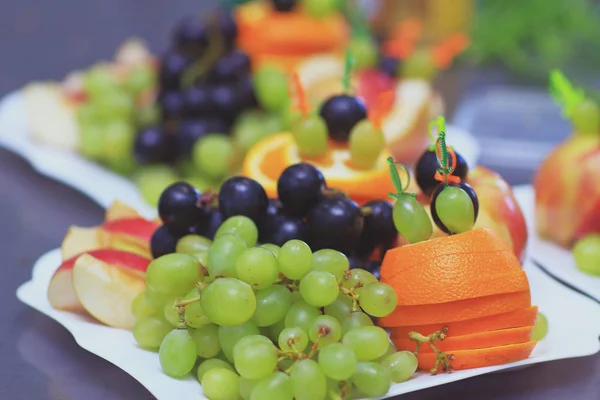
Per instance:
x=267, y=322
x=111, y=115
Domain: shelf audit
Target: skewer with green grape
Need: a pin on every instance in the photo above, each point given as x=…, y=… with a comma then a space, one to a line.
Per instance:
x=367, y=140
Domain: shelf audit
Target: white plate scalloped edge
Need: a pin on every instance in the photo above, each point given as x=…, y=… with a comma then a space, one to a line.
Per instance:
x=556, y=260
x=566, y=310
x=102, y=185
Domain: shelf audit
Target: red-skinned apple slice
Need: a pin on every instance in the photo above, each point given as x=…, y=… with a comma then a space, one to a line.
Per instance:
x=61, y=292
x=119, y=210
x=136, y=226
x=79, y=240
x=106, y=291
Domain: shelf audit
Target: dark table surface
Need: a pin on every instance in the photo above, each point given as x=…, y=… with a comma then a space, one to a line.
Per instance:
x=38, y=358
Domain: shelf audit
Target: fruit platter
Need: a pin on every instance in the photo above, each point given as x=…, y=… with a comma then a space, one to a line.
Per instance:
x=565, y=225
x=141, y=121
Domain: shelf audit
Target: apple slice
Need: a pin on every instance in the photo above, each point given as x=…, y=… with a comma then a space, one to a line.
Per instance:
x=79, y=240
x=120, y=210
x=107, y=291
x=137, y=226
x=61, y=293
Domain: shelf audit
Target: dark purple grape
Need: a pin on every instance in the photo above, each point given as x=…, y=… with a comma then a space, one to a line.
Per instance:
x=226, y=100
x=171, y=105
x=427, y=165
x=192, y=130
x=172, y=65
x=373, y=267
x=389, y=65
x=278, y=227
x=464, y=186
x=246, y=93
x=153, y=145
x=243, y=196
x=227, y=27
x=198, y=101
x=379, y=231
x=284, y=5
x=208, y=228
x=299, y=188
x=356, y=262
x=164, y=240
x=230, y=68
x=335, y=224
x=179, y=208
x=191, y=36
x=341, y=113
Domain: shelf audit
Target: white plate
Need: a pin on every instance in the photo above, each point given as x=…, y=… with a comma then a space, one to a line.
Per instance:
x=118, y=346
x=556, y=260
x=102, y=185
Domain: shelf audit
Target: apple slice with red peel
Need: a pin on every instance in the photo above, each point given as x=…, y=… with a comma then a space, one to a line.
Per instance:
x=79, y=240
x=61, y=292
x=136, y=226
x=107, y=291
x=120, y=210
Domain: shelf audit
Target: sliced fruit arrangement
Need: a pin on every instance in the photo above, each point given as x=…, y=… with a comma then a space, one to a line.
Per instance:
x=568, y=198
x=103, y=268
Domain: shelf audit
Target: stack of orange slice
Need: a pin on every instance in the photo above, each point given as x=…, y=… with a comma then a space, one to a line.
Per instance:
x=473, y=285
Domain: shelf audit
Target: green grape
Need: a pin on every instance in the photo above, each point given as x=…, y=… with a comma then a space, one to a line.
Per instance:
x=87, y=115
x=255, y=359
x=118, y=140
x=207, y=340
x=364, y=50
x=249, y=340
x=401, y=365
x=339, y=390
x=331, y=261
x=230, y=335
x=153, y=180
x=141, y=307
x=358, y=275
x=311, y=136
x=391, y=350
x=228, y=301
x=177, y=353
x=341, y=308
x=114, y=105
x=194, y=314
x=250, y=129
x=275, y=329
x=98, y=80
x=202, y=183
x=371, y=379
x=326, y=330
x=246, y=387
x=173, y=274
x=221, y=384
x=301, y=315
x=271, y=88
x=319, y=288
x=296, y=296
x=276, y=386
x=540, y=329
x=214, y=154
x=202, y=257
x=91, y=140
x=419, y=66
x=355, y=320
x=170, y=314
x=272, y=304
x=366, y=144
x=223, y=255
x=122, y=164
x=587, y=254
x=156, y=299
x=337, y=361
x=257, y=267
x=150, y=332
x=377, y=299
x=308, y=381
x=273, y=248
x=320, y=8
x=455, y=209
x=411, y=220
x=368, y=342
x=141, y=78
x=209, y=364
x=241, y=226
x=290, y=116
x=147, y=116
x=292, y=339
x=295, y=259
x=191, y=244
x=586, y=117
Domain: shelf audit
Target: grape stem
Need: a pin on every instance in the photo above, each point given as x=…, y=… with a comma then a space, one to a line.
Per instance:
x=201, y=67
x=400, y=189
x=352, y=291
x=347, y=70
x=442, y=359
x=564, y=93
x=324, y=331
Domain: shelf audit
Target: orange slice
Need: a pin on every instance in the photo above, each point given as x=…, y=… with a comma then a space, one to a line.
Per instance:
x=521, y=317
x=268, y=158
x=466, y=359
x=481, y=340
x=457, y=310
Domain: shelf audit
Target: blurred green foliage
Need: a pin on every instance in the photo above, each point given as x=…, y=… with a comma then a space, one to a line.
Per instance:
x=530, y=37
